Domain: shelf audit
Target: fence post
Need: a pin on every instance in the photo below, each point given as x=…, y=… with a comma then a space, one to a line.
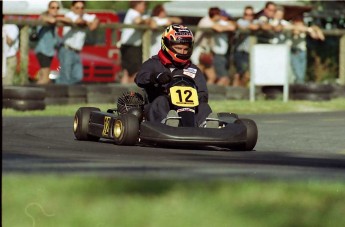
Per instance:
x=24, y=55
x=146, y=44
x=342, y=60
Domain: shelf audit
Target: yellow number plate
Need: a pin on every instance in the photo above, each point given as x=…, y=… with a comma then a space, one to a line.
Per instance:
x=184, y=96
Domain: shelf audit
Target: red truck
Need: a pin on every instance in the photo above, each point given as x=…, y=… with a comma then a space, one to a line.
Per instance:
x=100, y=55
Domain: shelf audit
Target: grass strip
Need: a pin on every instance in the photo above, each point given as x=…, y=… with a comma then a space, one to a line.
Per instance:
x=60, y=200
x=235, y=106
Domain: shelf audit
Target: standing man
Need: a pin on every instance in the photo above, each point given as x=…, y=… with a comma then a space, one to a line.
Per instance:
x=73, y=41
x=266, y=22
x=10, y=33
x=242, y=47
x=221, y=49
x=131, y=41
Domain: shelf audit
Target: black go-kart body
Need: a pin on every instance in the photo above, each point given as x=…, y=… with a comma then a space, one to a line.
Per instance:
x=130, y=128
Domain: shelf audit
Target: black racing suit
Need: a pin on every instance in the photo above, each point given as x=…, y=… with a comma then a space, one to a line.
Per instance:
x=158, y=107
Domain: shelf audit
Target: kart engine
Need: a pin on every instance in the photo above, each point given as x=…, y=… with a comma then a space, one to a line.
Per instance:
x=131, y=102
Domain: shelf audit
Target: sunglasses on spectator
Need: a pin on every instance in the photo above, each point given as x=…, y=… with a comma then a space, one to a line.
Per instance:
x=76, y=7
x=54, y=7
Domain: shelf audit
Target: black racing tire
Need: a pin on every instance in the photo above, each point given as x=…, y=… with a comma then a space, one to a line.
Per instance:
x=23, y=105
x=81, y=124
x=252, y=134
x=126, y=130
x=18, y=92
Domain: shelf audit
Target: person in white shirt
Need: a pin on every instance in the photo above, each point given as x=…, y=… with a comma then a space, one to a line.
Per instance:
x=242, y=47
x=10, y=34
x=221, y=49
x=131, y=41
x=279, y=25
x=71, y=71
x=159, y=19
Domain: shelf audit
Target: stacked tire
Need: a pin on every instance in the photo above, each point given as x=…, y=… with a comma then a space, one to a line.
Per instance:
x=216, y=92
x=23, y=98
x=338, y=91
x=96, y=94
x=76, y=94
x=56, y=94
x=272, y=92
x=237, y=93
x=311, y=92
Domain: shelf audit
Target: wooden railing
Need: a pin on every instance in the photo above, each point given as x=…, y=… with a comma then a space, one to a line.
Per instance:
x=146, y=40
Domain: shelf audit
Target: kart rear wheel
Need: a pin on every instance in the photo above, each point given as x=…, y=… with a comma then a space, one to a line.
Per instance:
x=252, y=134
x=126, y=130
x=81, y=124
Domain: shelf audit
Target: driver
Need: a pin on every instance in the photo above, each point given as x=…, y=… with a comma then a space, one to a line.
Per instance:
x=158, y=71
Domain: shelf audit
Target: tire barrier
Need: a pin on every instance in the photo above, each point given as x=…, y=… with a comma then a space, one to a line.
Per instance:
x=56, y=94
x=311, y=92
x=237, y=93
x=338, y=91
x=272, y=92
x=33, y=97
x=76, y=94
x=216, y=92
x=99, y=94
x=23, y=98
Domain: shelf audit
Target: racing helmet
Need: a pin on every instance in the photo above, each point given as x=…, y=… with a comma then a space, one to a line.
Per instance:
x=177, y=34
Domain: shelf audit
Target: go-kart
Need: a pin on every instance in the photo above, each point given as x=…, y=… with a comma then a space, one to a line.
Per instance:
x=127, y=124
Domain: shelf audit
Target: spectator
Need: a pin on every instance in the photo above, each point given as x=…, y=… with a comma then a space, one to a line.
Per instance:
x=204, y=42
x=242, y=47
x=157, y=72
x=299, y=47
x=221, y=50
x=131, y=41
x=265, y=20
x=159, y=19
x=47, y=40
x=71, y=71
x=298, y=51
x=10, y=33
x=279, y=25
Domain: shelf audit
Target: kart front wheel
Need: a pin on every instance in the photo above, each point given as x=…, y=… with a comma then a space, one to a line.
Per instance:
x=126, y=130
x=81, y=124
x=252, y=134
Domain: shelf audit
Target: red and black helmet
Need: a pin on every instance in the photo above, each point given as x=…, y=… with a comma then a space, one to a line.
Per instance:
x=177, y=34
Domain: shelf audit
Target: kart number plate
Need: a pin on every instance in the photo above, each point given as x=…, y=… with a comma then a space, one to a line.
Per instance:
x=184, y=96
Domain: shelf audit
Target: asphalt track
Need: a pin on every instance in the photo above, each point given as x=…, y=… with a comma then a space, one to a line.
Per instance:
x=290, y=146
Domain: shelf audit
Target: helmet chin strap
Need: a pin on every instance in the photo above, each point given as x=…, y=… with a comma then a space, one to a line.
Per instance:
x=168, y=62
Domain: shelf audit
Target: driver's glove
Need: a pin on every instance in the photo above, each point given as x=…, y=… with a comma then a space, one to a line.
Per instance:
x=161, y=78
